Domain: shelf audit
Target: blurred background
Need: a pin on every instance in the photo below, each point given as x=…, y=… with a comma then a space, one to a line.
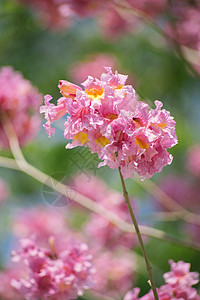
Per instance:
x=47, y=42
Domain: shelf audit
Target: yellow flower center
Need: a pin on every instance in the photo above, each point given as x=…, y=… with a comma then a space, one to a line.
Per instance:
x=119, y=87
x=111, y=117
x=102, y=141
x=162, y=125
x=141, y=144
x=81, y=137
x=95, y=93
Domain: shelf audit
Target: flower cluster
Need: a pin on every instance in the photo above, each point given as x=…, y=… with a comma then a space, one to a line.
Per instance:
x=59, y=14
x=7, y=292
x=99, y=231
x=110, y=247
x=107, y=117
x=178, y=285
x=49, y=274
x=114, y=273
x=185, y=27
x=181, y=190
x=19, y=101
x=105, y=234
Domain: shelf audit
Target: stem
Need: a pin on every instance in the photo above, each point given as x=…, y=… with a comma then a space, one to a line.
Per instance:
x=149, y=269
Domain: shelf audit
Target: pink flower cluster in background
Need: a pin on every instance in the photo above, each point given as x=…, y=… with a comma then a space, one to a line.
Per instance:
x=107, y=117
x=42, y=223
x=49, y=274
x=114, y=272
x=19, y=101
x=110, y=246
x=178, y=285
x=193, y=160
x=185, y=25
x=113, y=20
x=93, y=65
x=59, y=14
x=7, y=292
x=181, y=190
x=97, y=229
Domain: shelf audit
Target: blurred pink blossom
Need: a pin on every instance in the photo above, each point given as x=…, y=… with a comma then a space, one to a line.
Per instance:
x=90, y=186
x=42, y=223
x=19, y=101
x=181, y=191
x=58, y=14
x=184, y=27
x=193, y=160
x=51, y=274
x=114, y=24
x=107, y=117
x=152, y=8
x=7, y=292
x=114, y=273
x=94, y=65
x=105, y=234
x=51, y=13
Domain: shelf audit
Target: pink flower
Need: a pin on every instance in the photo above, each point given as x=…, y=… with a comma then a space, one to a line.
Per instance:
x=7, y=292
x=180, y=274
x=114, y=273
x=107, y=117
x=167, y=292
x=178, y=285
x=42, y=223
x=105, y=234
x=181, y=190
x=132, y=295
x=52, y=13
x=93, y=65
x=185, y=27
x=19, y=102
x=90, y=186
x=53, y=275
x=53, y=112
x=113, y=24
x=59, y=14
x=193, y=160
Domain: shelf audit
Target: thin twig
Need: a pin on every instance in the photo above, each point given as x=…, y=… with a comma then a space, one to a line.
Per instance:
x=148, y=266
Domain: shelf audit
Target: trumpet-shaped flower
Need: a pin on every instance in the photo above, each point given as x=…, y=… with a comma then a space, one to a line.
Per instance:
x=107, y=117
x=178, y=285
